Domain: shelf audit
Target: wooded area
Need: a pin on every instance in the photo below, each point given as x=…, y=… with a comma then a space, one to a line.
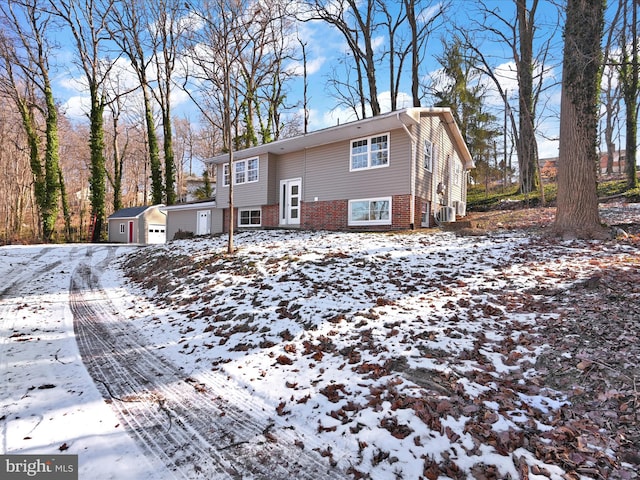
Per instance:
x=241, y=64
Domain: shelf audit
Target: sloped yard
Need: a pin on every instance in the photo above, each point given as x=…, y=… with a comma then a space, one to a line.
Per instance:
x=500, y=353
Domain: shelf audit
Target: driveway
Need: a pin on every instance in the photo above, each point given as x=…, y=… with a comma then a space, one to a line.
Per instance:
x=176, y=424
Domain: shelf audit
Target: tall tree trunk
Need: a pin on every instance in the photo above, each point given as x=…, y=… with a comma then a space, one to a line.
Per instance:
x=154, y=151
x=116, y=182
x=169, y=158
x=98, y=164
x=630, y=88
x=66, y=209
x=577, y=213
x=527, y=145
x=410, y=5
x=51, y=164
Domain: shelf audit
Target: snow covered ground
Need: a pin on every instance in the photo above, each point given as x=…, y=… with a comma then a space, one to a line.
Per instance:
x=410, y=355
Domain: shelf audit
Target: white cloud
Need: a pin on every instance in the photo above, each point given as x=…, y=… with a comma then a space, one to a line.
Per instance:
x=404, y=100
x=340, y=115
x=314, y=66
x=547, y=148
x=77, y=108
x=378, y=42
x=428, y=13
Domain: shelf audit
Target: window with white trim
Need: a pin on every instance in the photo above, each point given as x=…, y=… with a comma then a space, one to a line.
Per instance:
x=122, y=229
x=245, y=171
x=457, y=173
x=250, y=217
x=428, y=155
x=370, y=211
x=370, y=152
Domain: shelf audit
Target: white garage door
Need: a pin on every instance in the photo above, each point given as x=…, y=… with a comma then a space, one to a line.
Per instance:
x=157, y=234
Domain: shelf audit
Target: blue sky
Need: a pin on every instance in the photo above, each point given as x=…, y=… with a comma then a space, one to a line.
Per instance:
x=325, y=47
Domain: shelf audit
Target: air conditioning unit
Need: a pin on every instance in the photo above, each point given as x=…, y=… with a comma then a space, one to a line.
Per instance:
x=461, y=208
x=446, y=214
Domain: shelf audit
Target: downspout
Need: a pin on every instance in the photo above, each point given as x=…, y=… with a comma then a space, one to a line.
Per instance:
x=412, y=189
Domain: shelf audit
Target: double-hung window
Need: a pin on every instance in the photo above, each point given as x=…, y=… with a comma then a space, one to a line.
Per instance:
x=370, y=211
x=245, y=171
x=457, y=173
x=370, y=152
x=250, y=217
x=428, y=155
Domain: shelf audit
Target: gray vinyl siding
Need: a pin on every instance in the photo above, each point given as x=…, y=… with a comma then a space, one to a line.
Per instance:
x=457, y=181
x=245, y=194
x=327, y=174
x=114, y=230
x=150, y=217
x=432, y=129
x=187, y=220
x=181, y=220
x=444, y=159
x=286, y=167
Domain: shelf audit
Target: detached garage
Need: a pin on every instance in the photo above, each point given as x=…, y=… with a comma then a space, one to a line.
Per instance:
x=144, y=225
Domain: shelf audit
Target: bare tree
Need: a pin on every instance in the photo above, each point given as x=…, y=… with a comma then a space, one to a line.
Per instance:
x=272, y=94
x=75, y=163
x=128, y=25
x=213, y=54
x=115, y=174
x=394, y=20
x=577, y=212
x=610, y=96
x=629, y=77
x=518, y=33
x=347, y=91
x=87, y=22
x=356, y=21
x=168, y=28
x=423, y=20
x=30, y=23
x=16, y=192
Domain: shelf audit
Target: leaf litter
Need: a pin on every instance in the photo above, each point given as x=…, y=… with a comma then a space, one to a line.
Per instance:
x=501, y=354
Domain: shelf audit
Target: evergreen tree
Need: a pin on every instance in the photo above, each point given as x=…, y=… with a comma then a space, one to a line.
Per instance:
x=461, y=90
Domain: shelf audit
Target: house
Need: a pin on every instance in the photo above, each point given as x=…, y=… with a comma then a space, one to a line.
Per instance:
x=549, y=166
x=618, y=162
x=190, y=186
x=194, y=218
x=395, y=171
x=145, y=225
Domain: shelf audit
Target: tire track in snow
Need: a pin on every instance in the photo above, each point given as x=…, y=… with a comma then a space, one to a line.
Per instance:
x=187, y=423
x=20, y=277
x=18, y=284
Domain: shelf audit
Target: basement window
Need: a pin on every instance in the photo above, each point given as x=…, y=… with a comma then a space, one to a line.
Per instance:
x=250, y=218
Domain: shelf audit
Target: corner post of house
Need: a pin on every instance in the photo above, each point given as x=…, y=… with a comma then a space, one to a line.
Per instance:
x=412, y=187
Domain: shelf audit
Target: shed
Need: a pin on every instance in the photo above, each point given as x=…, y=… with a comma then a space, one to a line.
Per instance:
x=144, y=225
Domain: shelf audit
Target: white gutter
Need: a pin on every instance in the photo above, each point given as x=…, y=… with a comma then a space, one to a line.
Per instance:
x=412, y=187
x=188, y=206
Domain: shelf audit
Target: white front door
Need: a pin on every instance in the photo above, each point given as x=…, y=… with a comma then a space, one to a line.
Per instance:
x=204, y=226
x=290, y=195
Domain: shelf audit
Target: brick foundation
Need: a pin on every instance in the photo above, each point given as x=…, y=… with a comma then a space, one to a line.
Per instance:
x=334, y=215
x=270, y=216
x=327, y=215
